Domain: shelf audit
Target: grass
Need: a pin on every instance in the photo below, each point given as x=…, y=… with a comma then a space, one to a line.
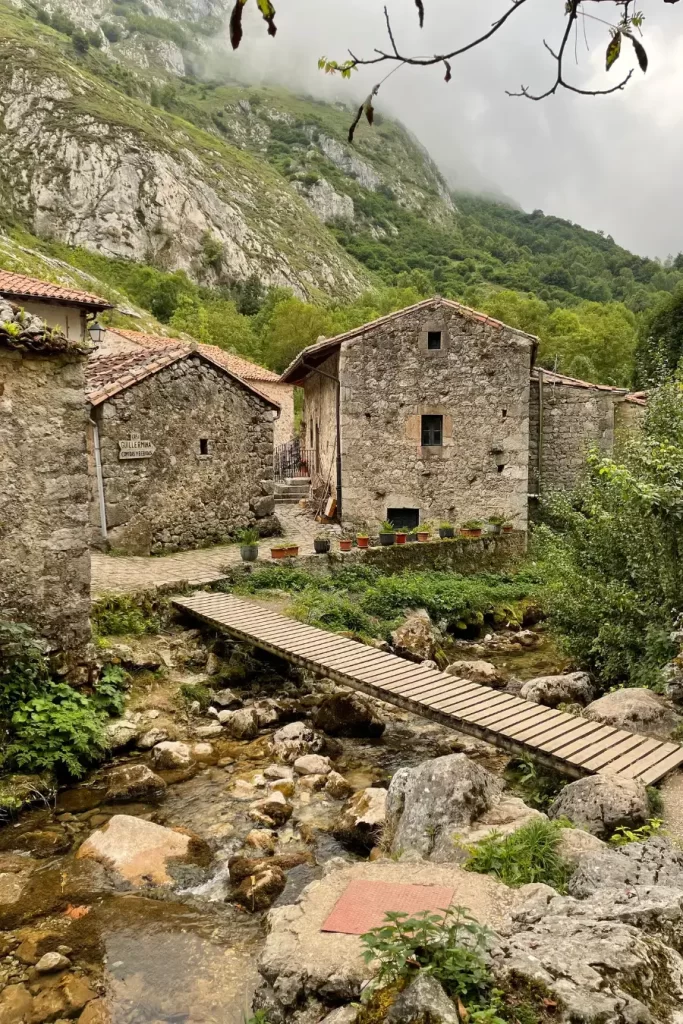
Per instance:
x=530, y=854
x=129, y=615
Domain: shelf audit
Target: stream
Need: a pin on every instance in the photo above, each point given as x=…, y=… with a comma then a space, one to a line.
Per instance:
x=186, y=954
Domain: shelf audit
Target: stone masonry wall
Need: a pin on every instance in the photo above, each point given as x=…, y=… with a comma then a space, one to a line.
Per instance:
x=283, y=394
x=478, y=381
x=181, y=498
x=44, y=497
x=574, y=419
x=320, y=423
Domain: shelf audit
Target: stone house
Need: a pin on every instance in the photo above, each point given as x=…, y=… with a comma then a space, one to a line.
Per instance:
x=181, y=451
x=268, y=383
x=432, y=407
x=67, y=309
x=442, y=414
x=44, y=487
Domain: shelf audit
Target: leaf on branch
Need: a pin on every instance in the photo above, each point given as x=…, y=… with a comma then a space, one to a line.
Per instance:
x=353, y=127
x=448, y=75
x=369, y=109
x=640, y=51
x=421, y=11
x=236, y=23
x=614, y=49
x=268, y=11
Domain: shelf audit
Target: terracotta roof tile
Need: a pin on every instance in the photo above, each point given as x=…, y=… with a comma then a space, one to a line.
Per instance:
x=236, y=364
x=551, y=377
x=18, y=286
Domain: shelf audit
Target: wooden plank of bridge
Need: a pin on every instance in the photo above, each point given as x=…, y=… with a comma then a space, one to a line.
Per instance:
x=572, y=745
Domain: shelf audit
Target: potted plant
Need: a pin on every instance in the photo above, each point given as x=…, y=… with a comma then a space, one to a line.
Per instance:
x=472, y=529
x=292, y=550
x=321, y=544
x=387, y=534
x=446, y=531
x=508, y=527
x=424, y=532
x=412, y=535
x=495, y=525
x=249, y=545
x=279, y=551
x=345, y=544
x=363, y=540
x=401, y=536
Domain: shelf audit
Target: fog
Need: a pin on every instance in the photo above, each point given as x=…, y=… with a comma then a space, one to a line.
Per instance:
x=613, y=162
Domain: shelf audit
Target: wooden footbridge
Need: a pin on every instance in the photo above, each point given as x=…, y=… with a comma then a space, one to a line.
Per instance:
x=567, y=743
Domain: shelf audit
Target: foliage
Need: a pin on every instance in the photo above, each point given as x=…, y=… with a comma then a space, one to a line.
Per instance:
x=529, y=854
x=450, y=946
x=191, y=692
x=248, y=537
x=109, y=690
x=536, y=785
x=624, y=835
x=122, y=614
x=612, y=552
x=660, y=346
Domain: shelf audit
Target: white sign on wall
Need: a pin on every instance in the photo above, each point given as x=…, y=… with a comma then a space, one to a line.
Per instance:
x=135, y=448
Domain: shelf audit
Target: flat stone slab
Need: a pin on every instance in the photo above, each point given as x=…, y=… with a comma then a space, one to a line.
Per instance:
x=365, y=903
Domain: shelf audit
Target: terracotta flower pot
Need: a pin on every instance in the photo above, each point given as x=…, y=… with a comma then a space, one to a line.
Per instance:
x=401, y=538
x=423, y=537
x=293, y=551
x=508, y=529
x=470, y=534
x=363, y=542
x=278, y=553
x=345, y=545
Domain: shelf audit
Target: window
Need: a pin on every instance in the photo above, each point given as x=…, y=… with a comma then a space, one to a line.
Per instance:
x=432, y=431
x=433, y=340
x=404, y=518
x=203, y=446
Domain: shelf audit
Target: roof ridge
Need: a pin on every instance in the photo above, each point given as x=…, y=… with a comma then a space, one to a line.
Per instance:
x=23, y=286
x=261, y=373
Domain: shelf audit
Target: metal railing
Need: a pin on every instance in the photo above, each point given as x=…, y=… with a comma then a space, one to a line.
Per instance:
x=290, y=461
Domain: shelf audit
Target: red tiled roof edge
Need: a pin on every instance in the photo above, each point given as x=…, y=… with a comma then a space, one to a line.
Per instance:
x=252, y=371
x=573, y=382
x=21, y=286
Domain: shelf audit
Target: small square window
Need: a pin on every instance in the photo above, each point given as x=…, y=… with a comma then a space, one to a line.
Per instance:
x=432, y=431
x=433, y=340
x=203, y=446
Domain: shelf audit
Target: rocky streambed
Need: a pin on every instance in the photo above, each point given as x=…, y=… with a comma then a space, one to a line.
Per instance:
x=185, y=880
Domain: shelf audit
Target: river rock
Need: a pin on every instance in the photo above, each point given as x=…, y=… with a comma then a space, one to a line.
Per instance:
x=570, y=688
x=226, y=699
x=63, y=1000
x=479, y=672
x=337, y=786
x=268, y=712
x=636, y=709
x=505, y=816
x=150, y=738
x=423, y=1002
x=240, y=725
x=312, y=764
x=429, y=804
x=141, y=853
x=348, y=714
x=296, y=739
x=362, y=818
x=15, y=1004
x=261, y=840
x=209, y=732
x=576, y=843
x=169, y=755
x=259, y=891
x=275, y=808
x=51, y=962
x=96, y=1012
x=417, y=638
x=655, y=862
x=278, y=771
x=120, y=733
x=134, y=782
x=601, y=803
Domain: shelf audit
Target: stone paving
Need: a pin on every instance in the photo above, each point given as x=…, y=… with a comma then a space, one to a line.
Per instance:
x=121, y=574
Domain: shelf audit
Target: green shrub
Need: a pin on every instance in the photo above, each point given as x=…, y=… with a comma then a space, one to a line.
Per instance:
x=623, y=835
x=191, y=692
x=530, y=854
x=111, y=31
x=536, y=785
x=123, y=615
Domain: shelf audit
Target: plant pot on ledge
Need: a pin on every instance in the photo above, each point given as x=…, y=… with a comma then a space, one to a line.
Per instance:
x=507, y=528
x=472, y=529
x=446, y=531
x=363, y=541
x=321, y=545
x=292, y=551
x=345, y=544
x=279, y=551
x=423, y=536
x=249, y=552
x=401, y=537
x=387, y=539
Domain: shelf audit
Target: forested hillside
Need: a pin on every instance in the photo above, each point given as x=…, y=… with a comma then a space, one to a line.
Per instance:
x=242, y=215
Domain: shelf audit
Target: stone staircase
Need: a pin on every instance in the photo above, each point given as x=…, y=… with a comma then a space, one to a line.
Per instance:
x=292, y=490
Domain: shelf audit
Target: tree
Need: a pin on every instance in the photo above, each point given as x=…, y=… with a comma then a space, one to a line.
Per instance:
x=660, y=347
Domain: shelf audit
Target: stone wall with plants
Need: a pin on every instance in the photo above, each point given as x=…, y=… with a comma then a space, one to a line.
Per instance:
x=478, y=381
x=574, y=420
x=44, y=495
x=211, y=471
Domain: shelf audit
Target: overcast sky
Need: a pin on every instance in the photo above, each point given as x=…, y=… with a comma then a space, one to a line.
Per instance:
x=613, y=162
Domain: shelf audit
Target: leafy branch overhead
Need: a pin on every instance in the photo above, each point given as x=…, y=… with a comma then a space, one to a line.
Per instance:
x=267, y=10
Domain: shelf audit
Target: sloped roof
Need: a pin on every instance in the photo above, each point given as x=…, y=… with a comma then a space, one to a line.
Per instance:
x=21, y=287
x=317, y=353
x=107, y=376
x=235, y=364
x=551, y=377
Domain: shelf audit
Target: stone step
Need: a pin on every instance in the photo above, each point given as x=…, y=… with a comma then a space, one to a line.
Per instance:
x=281, y=500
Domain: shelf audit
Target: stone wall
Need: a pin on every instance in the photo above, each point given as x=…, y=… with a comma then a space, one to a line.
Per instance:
x=44, y=497
x=478, y=381
x=212, y=468
x=629, y=416
x=574, y=419
x=320, y=423
x=283, y=394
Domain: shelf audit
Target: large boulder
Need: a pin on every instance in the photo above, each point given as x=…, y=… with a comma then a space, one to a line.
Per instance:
x=428, y=805
x=139, y=853
x=575, y=844
x=416, y=638
x=170, y=756
x=505, y=816
x=423, y=1002
x=134, y=782
x=240, y=725
x=479, y=672
x=571, y=688
x=601, y=803
x=654, y=862
x=296, y=739
x=636, y=709
x=348, y=714
x=362, y=818
x=120, y=733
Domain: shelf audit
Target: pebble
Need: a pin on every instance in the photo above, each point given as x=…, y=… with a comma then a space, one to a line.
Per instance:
x=51, y=962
